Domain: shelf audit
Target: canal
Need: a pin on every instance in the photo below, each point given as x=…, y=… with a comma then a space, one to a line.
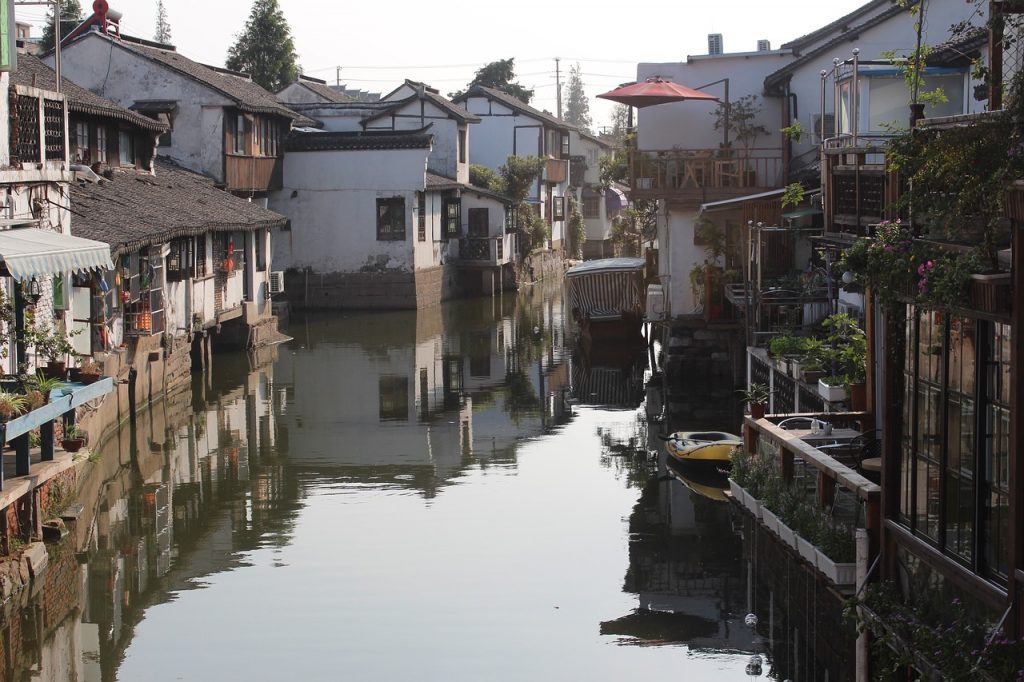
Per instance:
x=444, y=494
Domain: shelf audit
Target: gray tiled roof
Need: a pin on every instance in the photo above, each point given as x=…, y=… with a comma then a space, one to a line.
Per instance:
x=358, y=141
x=439, y=183
x=239, y=88
x=321, y=89
x=136, y=209
x=33, y=72
x=514, y=104
x=841, y=24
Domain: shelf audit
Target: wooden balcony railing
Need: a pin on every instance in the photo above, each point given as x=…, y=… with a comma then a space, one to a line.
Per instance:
x=482, y=250
x=704, y=174
x=556, y=170
x=253, y=173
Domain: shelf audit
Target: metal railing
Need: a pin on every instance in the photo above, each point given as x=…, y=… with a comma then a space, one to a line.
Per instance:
x=692, y=170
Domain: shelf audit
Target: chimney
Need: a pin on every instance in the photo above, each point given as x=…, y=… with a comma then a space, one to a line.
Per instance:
x=714, y=43
x=764, y=46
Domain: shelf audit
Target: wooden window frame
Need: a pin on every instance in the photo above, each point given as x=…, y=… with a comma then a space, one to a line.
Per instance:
x=451, y=218
x=477, y=226
x=391, y=219
x=591, y=207
x=421, y=216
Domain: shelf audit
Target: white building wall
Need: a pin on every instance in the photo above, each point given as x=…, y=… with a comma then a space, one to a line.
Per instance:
x=417, y=114
x=125, y=77
x=334, y=209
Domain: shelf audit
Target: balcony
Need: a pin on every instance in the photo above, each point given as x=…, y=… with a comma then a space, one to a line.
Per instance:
x=698, y=176
x=556, y=170
x=863, y=189
x=253, y=173
x=38, y=125
x=483, y=251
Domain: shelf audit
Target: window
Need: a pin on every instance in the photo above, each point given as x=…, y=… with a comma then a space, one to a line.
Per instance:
x=558, y=208
x=82, y=142
x=126, y=147
x=421, y=216
x=101, y=144
x=240, y=134
x=164, y=140
x=591, y=206
x=391, y=219
x=954, y=455
x=451, y=209
x=260, y=245
x=59, y=293
x=510, y=219
x=478, y=218
x=565, y=146
x=179, y=258
x=462, y=145
x=200, y=255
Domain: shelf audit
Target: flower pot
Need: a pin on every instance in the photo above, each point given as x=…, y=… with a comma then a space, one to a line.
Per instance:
x=840, y=574
x=811, y=376
x=55, y=370
x=786, y=534
x=738, y=493
x=991, y=293
x=769, y=520
x=833, y=394
x=757, y=410
x=72, y=444
x=752, y=504
x=89, y=377
x=807, y=551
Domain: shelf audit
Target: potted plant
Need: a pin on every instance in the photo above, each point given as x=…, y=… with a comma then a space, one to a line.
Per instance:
x=756, y=397
x=89, y=372
x=34, y=399
x=45, y=384
x=11, y=405
x=51, y=342
x=836, y=554
x=843, y=355
x=73, y=440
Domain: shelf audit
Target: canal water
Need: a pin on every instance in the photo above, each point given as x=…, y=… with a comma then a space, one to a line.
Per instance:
x=449, y=494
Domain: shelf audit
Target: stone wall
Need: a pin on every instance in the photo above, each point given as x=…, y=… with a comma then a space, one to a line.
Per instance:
x=392, y=290
x=709, y=356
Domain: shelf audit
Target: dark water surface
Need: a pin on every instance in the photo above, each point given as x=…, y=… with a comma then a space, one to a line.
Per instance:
x=442, y=495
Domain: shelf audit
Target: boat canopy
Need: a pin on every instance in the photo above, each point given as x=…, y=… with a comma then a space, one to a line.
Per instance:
x=607, y=289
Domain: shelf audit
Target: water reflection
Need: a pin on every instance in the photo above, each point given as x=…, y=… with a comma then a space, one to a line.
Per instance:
x=446, y=494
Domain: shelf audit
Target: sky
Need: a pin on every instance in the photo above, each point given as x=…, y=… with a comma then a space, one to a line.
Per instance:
x=443, y=43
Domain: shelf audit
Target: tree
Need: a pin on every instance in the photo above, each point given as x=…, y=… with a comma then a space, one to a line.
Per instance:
x=577, y=106
x=265, y=49
x=740, y=117
x=500, y=75
x=70, y=17
x=482, y=176
x=518, y=176
x=620, y=123
x=163, y=27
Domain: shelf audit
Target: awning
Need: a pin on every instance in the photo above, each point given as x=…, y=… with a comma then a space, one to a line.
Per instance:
x=615, y=200
x=27, y=252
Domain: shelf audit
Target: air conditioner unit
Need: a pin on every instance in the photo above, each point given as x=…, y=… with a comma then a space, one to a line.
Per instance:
x=277, y=282
x=655, y=309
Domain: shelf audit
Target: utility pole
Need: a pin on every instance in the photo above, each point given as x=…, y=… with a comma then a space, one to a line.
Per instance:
x=558, y=87
x=337, y=75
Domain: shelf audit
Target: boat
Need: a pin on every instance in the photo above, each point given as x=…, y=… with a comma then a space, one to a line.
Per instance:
x=702, y=480
x=607, y=297
x=711, y=447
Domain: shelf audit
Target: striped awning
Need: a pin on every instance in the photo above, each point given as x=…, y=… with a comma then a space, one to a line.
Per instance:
x=26, y=252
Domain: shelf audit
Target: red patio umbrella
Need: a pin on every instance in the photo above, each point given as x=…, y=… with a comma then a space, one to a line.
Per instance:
x=654, y=91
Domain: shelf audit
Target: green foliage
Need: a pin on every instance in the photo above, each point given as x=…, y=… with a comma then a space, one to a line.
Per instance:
x=794, y=132
x=755, y=394
x=44, y=384
x=577, y=106
x=482, y=176
x=613, y=168
x=11, y=404
x=793, y=195
x=636, y=224
x=48, y=340
x=741, y=116
x=711, y=236
x=577, y=231
x=70, y=18
x=499, y=74
x=519, y=174
x=793, y=346
x=162, y=33
x=844, y=352
x=898, y=268
x=265, y=49
x=620, y=123
x=946, y=637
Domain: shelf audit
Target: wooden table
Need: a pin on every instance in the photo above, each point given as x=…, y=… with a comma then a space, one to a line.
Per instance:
x=836, y=436
x=871, y=464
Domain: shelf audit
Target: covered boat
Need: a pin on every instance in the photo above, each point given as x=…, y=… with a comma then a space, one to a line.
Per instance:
x=607, y=296
x=711, y=447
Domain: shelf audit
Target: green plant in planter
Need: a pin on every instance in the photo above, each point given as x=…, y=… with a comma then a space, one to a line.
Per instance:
x=755, y=473
x=755, y=394
x=843, y=354
x=50, y=341
x=11, y=405
x=44, y=385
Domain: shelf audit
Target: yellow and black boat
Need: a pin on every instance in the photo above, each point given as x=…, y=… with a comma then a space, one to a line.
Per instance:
x=710, y=447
